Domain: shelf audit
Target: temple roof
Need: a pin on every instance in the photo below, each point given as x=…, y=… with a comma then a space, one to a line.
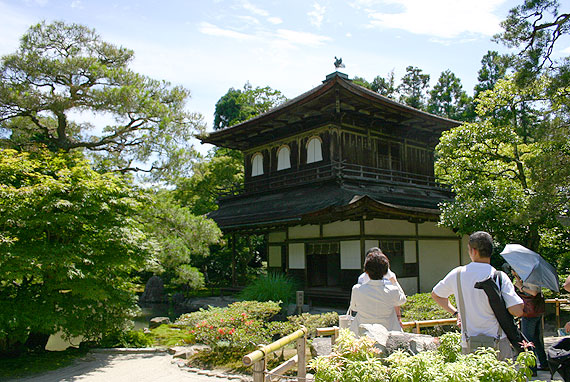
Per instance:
x=335, y=100
x=327, y=202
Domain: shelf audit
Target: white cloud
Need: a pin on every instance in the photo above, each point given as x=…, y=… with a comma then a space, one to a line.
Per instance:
x=76, y=4
x=249, y=19
x=275, y=20
x=316, y=16
x=253, y=9
x=302, y=38
x=439, y=18
x=213, y=30
x=348, y=34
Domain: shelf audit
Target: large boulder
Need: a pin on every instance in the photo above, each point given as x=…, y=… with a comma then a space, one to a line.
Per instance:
x=153, y=291
x=390, y=341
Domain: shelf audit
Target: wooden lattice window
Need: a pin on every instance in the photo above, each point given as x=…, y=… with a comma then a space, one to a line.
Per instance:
x=257, y=164
x=314, y=150
x=283, y=158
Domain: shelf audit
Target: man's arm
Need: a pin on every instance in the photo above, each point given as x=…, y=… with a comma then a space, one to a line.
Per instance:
x=516, y=310
x=443, y=302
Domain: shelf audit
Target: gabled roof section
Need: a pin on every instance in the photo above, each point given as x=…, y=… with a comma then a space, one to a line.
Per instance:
x=338, y=98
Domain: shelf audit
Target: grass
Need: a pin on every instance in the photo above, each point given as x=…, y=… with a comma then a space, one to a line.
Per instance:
x=168, y=335
x=35, y=363
x=270, y=287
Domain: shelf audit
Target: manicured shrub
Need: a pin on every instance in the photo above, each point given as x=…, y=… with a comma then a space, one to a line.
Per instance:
x=421, y=306
x=232, y=331
x=126, y=339
x=314, y=321
x=270, y=287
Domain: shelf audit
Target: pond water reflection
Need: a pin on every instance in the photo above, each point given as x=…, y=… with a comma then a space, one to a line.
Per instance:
x=151, y=310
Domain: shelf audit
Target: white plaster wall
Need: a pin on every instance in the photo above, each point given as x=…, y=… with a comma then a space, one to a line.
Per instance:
x=276, y=237
x=274, y=256
x=409, y=252
x=350, y=254
x=409, y=285
x=369, y=244
x=389, y=227
x=432, y=229
x=436, y=259
x=342, y=228
x=304, y=231
x=297, y=256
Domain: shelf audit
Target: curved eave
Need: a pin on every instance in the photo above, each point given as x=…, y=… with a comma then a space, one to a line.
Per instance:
x=255, y=124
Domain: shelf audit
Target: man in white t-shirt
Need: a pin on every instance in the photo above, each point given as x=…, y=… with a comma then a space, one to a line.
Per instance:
x=480, y=319
x=389, y=277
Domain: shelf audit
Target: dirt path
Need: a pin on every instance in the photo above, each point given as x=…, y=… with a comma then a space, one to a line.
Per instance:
x=110, y=367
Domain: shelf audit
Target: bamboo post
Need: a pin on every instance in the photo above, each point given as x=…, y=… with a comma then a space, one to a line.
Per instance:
x=259, y=370
x=301, y=358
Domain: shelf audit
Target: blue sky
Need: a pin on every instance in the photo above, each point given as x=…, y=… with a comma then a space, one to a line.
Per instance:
x=210, y=46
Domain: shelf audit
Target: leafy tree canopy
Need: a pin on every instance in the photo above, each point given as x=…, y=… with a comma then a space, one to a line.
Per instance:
x=240, y=105
x=380, y=85
x=63, y=71
x=413, y=88
x=69, y=242
x=180, y=238
x=448, y=99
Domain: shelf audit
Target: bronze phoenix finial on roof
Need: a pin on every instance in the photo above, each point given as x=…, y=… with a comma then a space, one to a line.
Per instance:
x=338, y=62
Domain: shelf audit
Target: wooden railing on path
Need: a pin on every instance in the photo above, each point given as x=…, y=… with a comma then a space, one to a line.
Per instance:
x=557, y=301
x=258, y=358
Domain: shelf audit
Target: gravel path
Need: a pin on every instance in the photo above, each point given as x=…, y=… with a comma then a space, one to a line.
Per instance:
x=127, y=367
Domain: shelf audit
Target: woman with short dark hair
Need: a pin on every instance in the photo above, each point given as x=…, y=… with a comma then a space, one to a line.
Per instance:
x=374, y=301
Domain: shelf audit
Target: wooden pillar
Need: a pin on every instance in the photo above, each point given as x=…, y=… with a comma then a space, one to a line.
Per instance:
x=233, y=239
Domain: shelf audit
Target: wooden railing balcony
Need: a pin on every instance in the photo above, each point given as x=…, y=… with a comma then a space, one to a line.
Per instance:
x=333, y=170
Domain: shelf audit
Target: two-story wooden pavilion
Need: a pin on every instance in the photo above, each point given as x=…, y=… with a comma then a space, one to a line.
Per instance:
x=335, y=171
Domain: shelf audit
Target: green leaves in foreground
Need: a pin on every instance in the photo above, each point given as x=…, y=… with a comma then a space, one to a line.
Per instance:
x=69, y=242
x=357, y=360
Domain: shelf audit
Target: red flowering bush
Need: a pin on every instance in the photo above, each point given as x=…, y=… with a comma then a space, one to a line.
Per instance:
x=234, y=330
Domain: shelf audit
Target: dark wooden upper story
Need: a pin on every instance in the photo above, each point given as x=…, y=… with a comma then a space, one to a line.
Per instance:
x=337, y=130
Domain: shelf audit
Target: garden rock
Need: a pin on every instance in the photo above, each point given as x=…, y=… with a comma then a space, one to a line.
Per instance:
x=153, y=291
x=411, y=342
x=390, y=341
x=321, y=346
x=185, y=352
x=155, y=322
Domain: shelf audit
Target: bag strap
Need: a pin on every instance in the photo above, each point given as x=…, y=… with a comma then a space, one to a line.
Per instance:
x=461, y=303
x=497, y=275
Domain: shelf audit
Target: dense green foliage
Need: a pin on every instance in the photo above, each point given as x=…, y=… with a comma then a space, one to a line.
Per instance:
x=313, y=321
x=239, y=105
x=509, y=168
x=61, y=70
x=126, y=339
x=358, y=360
x=270, y=287
x=69, y=243
x=181, y=239
x=420, y=307
x=233, y=331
